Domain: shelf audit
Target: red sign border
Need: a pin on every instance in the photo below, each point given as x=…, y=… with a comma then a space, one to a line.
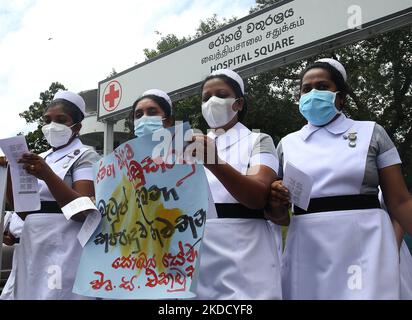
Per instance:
x=120, y=99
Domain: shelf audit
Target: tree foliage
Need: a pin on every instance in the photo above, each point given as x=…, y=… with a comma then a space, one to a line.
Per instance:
x=187, y=109
x=165, y=44
x=112, y=73
x=261, y=4
x=34, y=114
x=379, y=73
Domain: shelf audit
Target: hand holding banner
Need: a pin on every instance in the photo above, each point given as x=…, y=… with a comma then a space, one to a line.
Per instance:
x=153, y=216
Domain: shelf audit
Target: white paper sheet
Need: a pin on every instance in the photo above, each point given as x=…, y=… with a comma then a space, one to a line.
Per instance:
x=299, y=185
x=25, y=186
x=78, y=205
x=3, y=222
x=89, y=227
x=3, y=185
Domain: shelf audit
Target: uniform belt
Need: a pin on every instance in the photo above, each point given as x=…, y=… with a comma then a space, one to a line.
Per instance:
x=46, y=207
x=237, y=210
x=340, y=203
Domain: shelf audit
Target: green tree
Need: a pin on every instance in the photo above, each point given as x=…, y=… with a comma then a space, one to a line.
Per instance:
x=165, y=44
x=379, y=73
x=211, y=24
x=261, y=4
x=112, y=73
x=187, y=109
x=34, y=114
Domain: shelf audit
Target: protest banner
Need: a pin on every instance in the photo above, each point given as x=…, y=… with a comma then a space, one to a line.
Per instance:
x=153, y=216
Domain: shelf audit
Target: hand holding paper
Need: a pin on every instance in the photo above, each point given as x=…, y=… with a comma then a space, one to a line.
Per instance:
x=299, y=185
x=279, y=193
x=35, y=166
x=25, y=186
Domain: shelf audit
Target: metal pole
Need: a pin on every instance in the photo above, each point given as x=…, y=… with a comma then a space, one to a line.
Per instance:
x=108, y=137
x=3, y=188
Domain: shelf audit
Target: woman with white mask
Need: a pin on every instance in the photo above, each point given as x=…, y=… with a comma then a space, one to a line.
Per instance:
x=343, y=246
x=49, y=252
x=151, y=112
x=239, y=258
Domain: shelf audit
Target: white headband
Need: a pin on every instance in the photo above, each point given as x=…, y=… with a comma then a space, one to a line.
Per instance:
x=74, y=98
x=231, y=74
x=159, y=93
x=336, y=64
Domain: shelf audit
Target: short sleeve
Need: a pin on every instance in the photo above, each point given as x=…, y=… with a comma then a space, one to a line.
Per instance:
x=83, y=167
x=383, y=148
x=264, y=153
x=13, y=223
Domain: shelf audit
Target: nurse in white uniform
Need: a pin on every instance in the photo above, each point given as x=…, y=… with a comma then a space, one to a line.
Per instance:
x=239, y=258
x=343, y=246
x=13, y=225
x=405, y=265
x=405, y=258
x=49, y=252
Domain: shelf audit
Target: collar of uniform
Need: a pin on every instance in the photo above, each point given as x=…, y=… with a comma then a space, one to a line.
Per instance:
x=230, y=137
x=46, y=153
x=54, y=156
x=340, y=125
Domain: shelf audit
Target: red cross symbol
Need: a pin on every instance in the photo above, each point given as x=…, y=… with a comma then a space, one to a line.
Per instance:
x=112, y=95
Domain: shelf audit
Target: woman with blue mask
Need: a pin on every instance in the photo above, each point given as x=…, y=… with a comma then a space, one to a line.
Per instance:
x=240, y=254
x=343, y=246
x=151, y=112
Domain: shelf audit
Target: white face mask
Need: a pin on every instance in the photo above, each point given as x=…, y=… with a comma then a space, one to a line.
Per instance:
x=218, y=112
x=57, y=134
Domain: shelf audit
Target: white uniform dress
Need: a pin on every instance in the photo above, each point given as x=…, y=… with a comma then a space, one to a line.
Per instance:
x=405, y=261
x=348, y=254
x=15, y=226
x=49, y=251
x=239, y=258
x=405, y=264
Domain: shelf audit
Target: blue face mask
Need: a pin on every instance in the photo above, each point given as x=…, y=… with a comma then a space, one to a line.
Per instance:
x=318, y=106
x=147, y=125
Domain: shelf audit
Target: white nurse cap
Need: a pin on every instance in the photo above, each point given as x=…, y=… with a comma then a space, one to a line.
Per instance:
x=74, y=98
x=159, y=93
x=336, y=64
x=231, y=74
